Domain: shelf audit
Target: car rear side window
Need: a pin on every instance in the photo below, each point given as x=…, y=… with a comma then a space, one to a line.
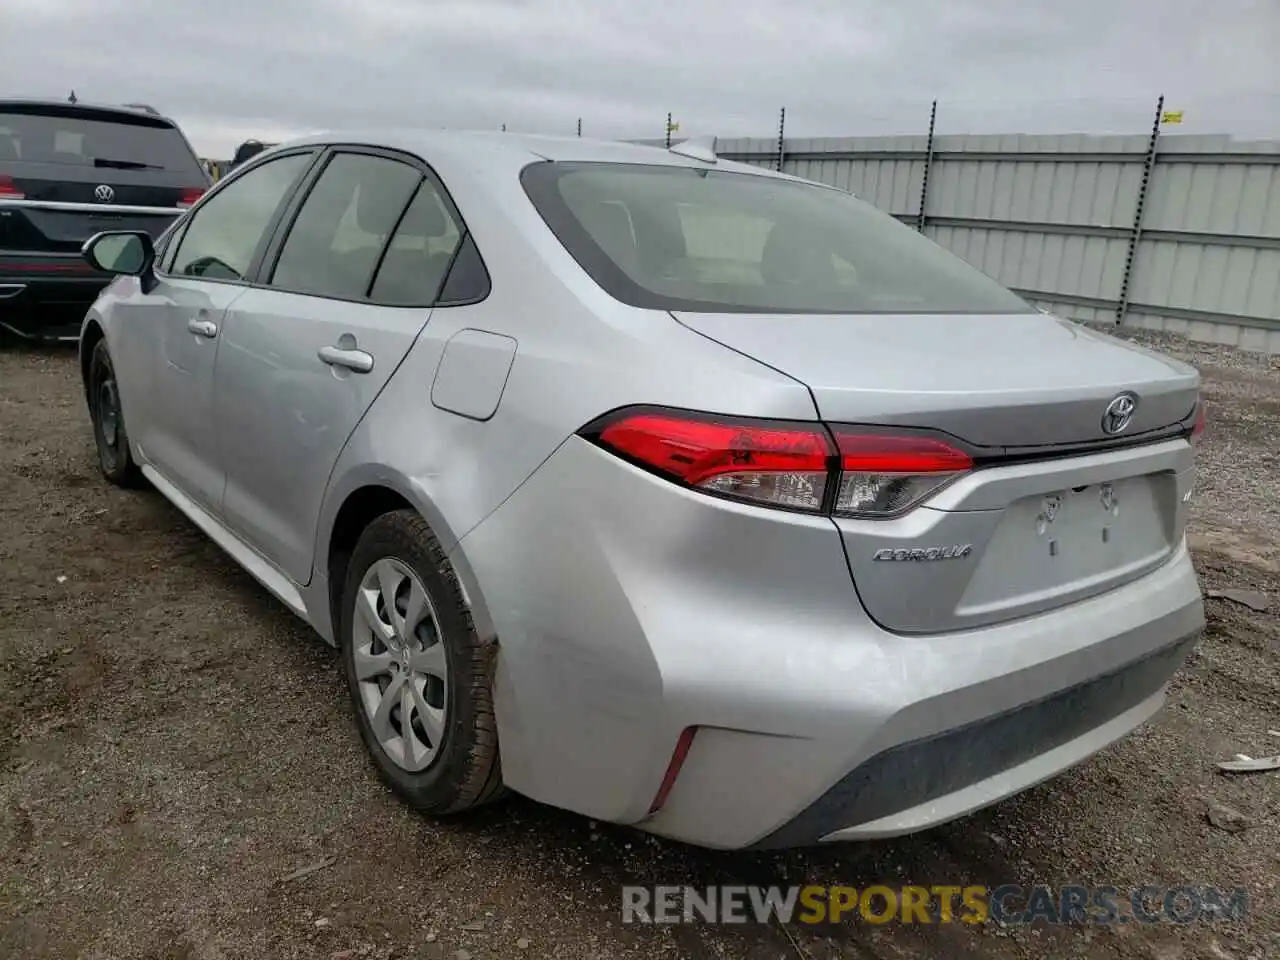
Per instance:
x=97, y=139
x=339, y=234
x=468, y=280
x=715, y=241
x=416, y=260
x=225, y=231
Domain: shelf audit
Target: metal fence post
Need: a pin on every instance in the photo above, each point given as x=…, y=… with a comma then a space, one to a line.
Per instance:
x=928, y=162
x=1135, y=237
x=782, y=128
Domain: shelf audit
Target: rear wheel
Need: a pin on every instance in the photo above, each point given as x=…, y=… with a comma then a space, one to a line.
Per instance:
x=109, y=433
x=420, y=679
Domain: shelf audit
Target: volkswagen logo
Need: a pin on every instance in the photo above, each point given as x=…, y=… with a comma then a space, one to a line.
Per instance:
x=103, y=193
x=1118, y=413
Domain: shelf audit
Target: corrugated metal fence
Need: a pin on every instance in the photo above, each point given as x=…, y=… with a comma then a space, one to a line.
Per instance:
x=1178, y=233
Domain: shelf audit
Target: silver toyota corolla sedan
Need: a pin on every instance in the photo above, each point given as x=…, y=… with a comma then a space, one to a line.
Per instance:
x=667, y=490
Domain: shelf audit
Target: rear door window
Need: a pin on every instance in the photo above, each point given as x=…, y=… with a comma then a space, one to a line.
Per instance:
x=420, y=252
x=683, y=238
x=225, y=231
x=338, y=237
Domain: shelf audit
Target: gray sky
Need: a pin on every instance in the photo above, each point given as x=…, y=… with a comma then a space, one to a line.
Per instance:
x=228, y=70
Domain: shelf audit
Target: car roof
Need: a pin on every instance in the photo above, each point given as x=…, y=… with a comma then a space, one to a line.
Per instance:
x=494, y=149
x=88, y=111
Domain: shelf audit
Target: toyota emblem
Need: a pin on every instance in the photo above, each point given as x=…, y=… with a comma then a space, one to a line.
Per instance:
x=103, y=193
x=1119, y=413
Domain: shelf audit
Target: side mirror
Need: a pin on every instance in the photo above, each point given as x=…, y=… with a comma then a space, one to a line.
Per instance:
x=126, y=252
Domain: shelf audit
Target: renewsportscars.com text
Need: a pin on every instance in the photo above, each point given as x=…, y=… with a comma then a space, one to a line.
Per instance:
x=1009, y=904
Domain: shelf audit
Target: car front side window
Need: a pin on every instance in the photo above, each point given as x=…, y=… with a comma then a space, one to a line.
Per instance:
x=169, y=249
x=167, y=244
x=225, y=232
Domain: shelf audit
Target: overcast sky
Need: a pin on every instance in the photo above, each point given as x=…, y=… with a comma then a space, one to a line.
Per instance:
x=229, y=70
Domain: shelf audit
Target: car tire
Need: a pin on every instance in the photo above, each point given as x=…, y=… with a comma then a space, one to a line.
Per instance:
x=115, y=458
x=430, y=654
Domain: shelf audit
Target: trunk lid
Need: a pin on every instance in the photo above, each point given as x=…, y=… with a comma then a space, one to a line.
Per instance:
x=1008, y=380
x=1056, y=511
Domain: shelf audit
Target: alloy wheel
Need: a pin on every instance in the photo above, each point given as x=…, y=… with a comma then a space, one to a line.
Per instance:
x=109, y=420
x=401, y=666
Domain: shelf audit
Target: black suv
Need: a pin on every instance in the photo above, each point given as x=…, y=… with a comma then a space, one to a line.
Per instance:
x=68, y=171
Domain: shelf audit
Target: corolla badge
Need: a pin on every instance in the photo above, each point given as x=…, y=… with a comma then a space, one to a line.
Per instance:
x=955, y=551
x=1119, y=413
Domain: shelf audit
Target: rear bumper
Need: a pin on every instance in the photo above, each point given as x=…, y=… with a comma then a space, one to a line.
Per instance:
x=972, y=729
x=912, y=786
x=628, y=610
x=51, y=303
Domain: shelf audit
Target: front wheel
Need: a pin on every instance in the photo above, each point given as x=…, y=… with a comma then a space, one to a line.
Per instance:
x=419, y=678
x=110, y=436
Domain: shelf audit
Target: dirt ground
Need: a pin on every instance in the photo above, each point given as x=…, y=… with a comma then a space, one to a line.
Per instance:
x=174, y=744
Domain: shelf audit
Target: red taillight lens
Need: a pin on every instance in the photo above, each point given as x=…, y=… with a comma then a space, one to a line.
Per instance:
x=883, y=475
x=8, y=191
x=794, y=466
x=1198, y=428
x=781, y=465
x=190, y=196
x=881, y=453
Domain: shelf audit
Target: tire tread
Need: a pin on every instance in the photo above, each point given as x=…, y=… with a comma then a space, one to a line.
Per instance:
x=127, y=474
x=477, y=779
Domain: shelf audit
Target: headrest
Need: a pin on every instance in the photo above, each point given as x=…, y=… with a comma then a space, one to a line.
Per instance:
x=791, y=255
x=424, y=217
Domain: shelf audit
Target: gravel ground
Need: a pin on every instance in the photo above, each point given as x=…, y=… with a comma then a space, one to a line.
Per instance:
x=173, y=745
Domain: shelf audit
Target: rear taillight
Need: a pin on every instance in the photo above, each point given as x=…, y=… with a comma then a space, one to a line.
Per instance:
x=793, y=466
x=190, y=196
x=1197, y=428
x=8, y=191
x=885, y=474
x=782, y=465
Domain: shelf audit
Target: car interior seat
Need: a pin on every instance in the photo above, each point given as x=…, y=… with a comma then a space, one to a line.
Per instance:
x=411, y=272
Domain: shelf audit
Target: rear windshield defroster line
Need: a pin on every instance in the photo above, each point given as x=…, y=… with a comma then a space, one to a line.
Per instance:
x=717, y=241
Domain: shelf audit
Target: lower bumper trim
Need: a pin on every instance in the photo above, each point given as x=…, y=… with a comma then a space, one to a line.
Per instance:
x=909, y=775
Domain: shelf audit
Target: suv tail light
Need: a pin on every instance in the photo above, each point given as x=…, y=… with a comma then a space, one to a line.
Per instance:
x=793, y=466
x=190, y=195
x=8, y=191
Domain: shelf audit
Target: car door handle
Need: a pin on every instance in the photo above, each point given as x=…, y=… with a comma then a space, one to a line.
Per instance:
x=356, y=360
x=203, y=328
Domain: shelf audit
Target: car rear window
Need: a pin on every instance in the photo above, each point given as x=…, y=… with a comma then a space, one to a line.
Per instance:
x=679, y=238
x=96, y=139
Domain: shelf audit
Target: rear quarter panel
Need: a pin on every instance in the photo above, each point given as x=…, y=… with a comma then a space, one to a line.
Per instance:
x=577, y=354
